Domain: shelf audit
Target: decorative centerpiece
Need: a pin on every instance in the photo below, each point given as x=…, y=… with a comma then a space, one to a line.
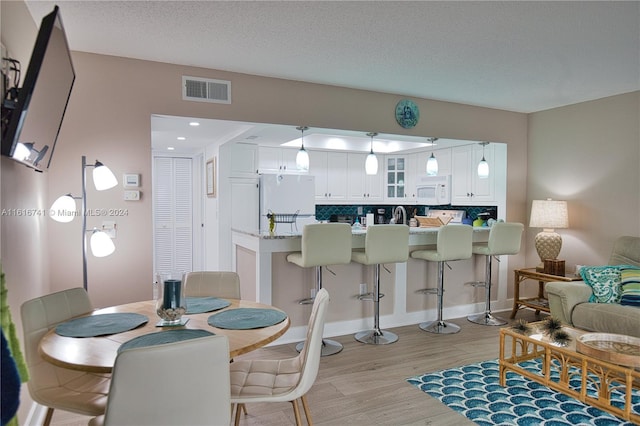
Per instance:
x=552, y=327
x=171, y=303
x=522, y=327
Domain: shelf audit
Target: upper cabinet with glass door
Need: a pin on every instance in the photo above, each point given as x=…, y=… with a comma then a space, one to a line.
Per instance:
x=396, y=179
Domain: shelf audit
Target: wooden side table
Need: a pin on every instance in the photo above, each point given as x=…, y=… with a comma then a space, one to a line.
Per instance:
x=539, y=303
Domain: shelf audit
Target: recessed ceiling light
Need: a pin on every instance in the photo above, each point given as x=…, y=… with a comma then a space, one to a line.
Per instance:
x=194, y=123
x=170, y=148
x=181, y=138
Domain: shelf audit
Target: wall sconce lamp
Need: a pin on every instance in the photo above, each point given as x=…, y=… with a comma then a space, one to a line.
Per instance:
x=432, y=162
x=371, y=163
x=64, y=210
x=548, y=214
x=483, y=166
x=302, y=158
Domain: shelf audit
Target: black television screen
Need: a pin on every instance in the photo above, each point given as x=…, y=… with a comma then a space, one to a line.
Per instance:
x=31, y=125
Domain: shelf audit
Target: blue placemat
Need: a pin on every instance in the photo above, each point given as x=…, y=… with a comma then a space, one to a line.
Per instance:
x=100, y=325
x=246, y=318
x=162, y=337
x=198, y=305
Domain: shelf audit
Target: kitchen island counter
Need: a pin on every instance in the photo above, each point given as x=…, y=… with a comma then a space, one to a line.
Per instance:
x=276, y=235
x=267, y=277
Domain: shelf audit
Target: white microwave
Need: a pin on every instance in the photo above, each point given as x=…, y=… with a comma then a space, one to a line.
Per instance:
x=434, y=190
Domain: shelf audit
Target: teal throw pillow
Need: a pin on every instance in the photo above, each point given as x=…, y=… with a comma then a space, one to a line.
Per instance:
x=604, y=281
x=630, y=285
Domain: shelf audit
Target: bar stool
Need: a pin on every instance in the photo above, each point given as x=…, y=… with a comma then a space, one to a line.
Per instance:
x=383, y=244
x=504, y=238
x=454, y=243
x=323, y=244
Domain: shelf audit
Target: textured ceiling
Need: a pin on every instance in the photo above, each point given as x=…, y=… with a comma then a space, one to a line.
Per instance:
x=518, y=56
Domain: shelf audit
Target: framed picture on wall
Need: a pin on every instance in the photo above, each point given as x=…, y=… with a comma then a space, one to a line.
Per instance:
x=211, y=177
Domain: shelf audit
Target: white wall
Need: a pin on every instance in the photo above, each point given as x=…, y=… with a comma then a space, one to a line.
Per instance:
x=588, y=154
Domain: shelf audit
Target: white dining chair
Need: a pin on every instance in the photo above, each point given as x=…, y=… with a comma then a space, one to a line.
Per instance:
x=224, y=284
x=49, y=385
x=180, y=383
x=286, y=380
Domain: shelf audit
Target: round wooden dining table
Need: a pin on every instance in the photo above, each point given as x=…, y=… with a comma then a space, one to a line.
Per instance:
x=98, y=354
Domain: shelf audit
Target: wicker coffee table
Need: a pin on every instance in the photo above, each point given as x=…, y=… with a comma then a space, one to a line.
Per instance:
x=564, y=366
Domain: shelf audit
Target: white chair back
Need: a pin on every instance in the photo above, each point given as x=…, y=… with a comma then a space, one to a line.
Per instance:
x=505, y=238
x=224, y=284
x=51, y=386
x=386, y=244
x=324, y=244
x=311, y=352
x=454, y=242
x=182, y=383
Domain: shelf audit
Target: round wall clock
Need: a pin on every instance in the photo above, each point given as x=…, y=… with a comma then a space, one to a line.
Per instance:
x=407, y=113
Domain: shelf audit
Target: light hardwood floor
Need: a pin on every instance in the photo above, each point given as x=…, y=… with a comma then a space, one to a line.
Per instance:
x=366, y=385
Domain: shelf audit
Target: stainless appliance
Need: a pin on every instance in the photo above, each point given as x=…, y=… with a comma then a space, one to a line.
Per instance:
x=380, y=216
x=291, y=198
x=434, y=190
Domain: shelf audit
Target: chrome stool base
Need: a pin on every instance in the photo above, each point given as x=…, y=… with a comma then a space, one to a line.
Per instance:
x=329, y=347
x=376, y=337
x=486, y=318
x=440, y=327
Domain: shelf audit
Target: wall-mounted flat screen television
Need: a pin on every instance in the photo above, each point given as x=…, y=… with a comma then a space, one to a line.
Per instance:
x=31, y=124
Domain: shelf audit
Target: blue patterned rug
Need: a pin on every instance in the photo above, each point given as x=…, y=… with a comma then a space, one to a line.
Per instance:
x=474, y=390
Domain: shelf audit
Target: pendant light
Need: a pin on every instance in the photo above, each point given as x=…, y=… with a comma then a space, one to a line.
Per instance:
x=483, y=166
x=371, y=164
x=302, y=158
x=432, y=162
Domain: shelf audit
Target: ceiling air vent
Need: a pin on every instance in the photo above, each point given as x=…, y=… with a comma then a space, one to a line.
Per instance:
x=206, y=90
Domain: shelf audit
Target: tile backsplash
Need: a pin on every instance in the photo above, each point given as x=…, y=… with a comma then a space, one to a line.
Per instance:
x=324, y=212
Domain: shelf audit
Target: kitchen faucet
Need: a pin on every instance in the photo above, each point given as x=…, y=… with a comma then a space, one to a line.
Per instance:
x=400, y=215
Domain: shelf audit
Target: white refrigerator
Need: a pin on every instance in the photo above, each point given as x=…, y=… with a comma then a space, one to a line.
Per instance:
x=291, y=198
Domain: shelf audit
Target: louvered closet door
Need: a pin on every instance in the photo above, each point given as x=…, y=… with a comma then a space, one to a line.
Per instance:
x=173, y=214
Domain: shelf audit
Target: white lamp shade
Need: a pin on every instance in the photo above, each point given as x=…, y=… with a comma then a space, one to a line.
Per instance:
x=549, y=214
x=302, y=159
x=101, y=244
x=432, y=166
x=103, y=177
x=63, y=209
x=371, y=164
x=483, y=169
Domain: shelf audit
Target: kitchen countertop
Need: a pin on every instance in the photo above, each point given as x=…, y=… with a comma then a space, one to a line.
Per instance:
x=290, y=235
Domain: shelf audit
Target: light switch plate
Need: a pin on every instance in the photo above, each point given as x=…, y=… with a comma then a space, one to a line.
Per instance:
x=131, y=180
x=132, y=195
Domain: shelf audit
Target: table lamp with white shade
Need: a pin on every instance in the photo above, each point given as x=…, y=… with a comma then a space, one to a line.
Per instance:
x=549, y=215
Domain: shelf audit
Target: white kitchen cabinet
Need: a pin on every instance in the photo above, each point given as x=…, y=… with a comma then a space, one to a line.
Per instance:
x=244, y=160
x=277, y=160
x=399, y=177
x=362, y=187
x=330, y=170
x=443, y=156
x=466, y=187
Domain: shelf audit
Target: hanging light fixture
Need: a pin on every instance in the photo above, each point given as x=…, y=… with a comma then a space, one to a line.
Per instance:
x=302, y=158
x=432, y=162
x=483, y=166
x=371, y=164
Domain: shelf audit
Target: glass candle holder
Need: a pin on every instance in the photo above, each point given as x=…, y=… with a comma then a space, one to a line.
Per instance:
x=171, y=303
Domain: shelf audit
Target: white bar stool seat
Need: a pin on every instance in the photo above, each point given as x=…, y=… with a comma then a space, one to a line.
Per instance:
x=454, y=243
x=504, y=238
x=323, y=244
x=383, y=244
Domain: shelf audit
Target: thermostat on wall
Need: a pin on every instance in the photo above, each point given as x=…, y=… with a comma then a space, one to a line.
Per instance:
x=131, y=180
